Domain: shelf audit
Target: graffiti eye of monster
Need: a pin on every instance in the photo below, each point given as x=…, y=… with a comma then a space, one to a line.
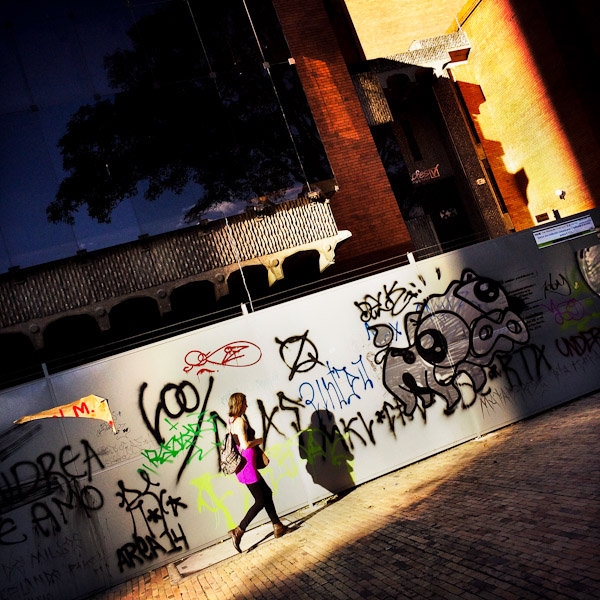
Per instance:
x=452, y=335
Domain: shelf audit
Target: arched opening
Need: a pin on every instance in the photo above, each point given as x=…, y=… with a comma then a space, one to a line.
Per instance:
x=256, y=280
x=18, y=359
x=134, y=316
x=299, y=269
x=71, y=335
x=192, y=300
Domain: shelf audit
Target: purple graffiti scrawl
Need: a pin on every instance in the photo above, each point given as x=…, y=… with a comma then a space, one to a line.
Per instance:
x=457, y=332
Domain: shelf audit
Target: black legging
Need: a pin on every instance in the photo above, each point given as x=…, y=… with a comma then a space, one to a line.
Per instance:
x=263, y=498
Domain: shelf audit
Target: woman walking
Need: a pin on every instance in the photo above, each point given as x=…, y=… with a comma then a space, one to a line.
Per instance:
x=243, y=436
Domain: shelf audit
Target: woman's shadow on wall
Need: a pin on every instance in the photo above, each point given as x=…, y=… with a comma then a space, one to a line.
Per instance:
x=328, y=462
x=328, y=457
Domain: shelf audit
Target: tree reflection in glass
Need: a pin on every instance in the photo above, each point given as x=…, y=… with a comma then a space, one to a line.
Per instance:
x=196, y=100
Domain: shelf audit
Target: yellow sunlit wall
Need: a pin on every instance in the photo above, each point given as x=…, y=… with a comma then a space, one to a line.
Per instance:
x=516, y=117
x=387, y=27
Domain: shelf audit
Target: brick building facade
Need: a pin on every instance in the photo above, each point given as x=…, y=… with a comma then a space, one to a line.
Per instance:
x=526, y=87
x=365, y=203
x=444, y=124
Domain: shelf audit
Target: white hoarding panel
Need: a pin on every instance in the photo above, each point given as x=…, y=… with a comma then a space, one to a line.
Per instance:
x=343, y=385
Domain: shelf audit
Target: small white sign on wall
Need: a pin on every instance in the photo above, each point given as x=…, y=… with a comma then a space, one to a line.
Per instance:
x=562, y=232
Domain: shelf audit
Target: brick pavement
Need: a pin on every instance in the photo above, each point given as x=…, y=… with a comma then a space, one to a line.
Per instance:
x=513, y=515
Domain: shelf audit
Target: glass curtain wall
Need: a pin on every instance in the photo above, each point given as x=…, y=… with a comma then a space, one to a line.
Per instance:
x=122, y=119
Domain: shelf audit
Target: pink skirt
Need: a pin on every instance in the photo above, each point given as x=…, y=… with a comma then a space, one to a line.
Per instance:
x=249, y=474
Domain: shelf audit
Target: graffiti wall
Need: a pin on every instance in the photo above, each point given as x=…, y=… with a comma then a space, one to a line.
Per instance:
x=343, y=385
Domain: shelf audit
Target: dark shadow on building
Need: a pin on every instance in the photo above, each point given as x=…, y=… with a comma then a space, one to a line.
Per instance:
x=564, y=45
x=518, y=201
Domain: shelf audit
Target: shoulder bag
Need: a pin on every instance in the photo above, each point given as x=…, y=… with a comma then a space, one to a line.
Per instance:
x=262, y=460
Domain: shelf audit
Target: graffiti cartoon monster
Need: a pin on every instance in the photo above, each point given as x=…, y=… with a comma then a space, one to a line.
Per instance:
x=453, y=335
